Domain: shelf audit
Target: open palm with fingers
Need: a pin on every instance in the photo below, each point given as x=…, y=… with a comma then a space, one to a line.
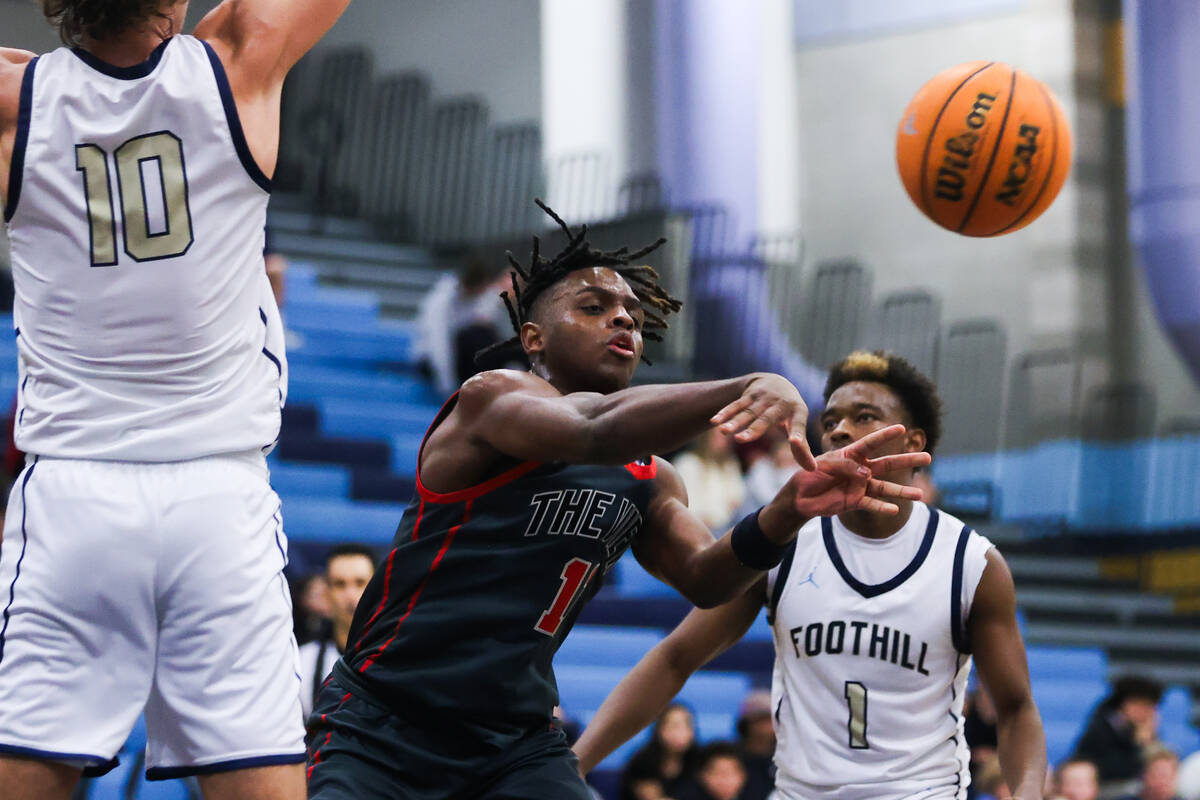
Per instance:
x=849, y=479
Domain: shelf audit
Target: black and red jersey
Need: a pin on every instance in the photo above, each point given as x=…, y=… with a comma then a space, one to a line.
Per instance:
x=483, y=584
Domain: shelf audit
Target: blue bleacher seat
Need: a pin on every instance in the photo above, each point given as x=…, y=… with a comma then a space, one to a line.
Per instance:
x=583, y=688
x=1060, y=739
x=1088, y=663
x=316, y=383
x=633, y=581
x=1068, y=699
x=310, y=480
x=328, y=520
x=371, y=418
x=606, y=646
x=176, y=789
x=136, y=742
x=405, y=448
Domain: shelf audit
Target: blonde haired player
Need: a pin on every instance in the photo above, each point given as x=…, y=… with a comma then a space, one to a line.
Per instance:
x=142, y=555
x=876, y=617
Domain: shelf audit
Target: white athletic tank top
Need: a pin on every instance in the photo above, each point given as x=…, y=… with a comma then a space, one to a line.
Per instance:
x=871, y=659
x=145, y=325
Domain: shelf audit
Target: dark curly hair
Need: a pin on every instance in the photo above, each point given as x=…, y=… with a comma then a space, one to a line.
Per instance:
x=100, y=19
x=542, y=273
x=917, y=392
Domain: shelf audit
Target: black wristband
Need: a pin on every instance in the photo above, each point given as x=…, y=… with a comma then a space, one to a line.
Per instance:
x=752, y=547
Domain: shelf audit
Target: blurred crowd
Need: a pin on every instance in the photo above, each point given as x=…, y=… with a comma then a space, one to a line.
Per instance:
x=1118, y=755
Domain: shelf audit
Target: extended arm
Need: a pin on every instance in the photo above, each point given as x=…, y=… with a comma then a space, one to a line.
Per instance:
x=524, y=417
x=268, y=36
x=1000, y=657
x=643, y=694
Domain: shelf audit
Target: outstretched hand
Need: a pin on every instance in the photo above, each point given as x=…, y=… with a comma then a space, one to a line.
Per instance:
x=848, y=479
x=769, y=400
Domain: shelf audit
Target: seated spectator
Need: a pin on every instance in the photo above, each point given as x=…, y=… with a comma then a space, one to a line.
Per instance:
x=769, y=472
x=979, y=726
x=348, y=570
x=1076, y=779
x=756, y=740
x=461, y=315
x=662, y=766
x=990, y=780
x=710, y=471
x=1121, y=727
x=310, y=608
x=1159, y=776
x=720, y=774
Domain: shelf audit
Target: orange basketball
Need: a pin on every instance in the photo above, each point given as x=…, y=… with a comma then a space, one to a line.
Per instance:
x=983, y=148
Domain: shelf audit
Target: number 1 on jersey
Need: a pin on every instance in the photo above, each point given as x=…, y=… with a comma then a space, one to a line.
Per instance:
x=574, y=575
x=856, y=696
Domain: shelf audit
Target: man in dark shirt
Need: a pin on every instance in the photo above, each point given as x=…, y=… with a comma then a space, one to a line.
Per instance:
x=1119, y=729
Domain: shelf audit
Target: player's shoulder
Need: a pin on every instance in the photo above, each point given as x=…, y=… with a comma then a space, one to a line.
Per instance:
x=13, y=63
x=487, y=386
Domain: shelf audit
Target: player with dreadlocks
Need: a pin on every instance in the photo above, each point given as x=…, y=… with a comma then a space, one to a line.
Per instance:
x=530, y=487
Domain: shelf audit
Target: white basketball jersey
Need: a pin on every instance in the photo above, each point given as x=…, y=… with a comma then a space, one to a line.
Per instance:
x=871, y=659
x=146, y=328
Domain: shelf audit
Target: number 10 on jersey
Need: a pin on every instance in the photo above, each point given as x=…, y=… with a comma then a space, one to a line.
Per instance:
x=131, y=159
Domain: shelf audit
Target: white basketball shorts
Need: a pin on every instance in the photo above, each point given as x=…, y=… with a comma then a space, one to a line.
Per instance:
x=131, y=587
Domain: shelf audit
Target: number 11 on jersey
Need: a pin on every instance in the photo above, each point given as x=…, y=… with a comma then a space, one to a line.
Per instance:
x=574, y=577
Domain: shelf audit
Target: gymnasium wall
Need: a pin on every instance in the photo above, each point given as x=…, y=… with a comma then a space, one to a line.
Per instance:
x=1051, y=284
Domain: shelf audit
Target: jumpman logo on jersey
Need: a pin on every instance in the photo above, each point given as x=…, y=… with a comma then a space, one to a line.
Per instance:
x=810, y=579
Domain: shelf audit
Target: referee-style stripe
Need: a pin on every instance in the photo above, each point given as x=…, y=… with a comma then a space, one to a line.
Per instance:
x=12, y=587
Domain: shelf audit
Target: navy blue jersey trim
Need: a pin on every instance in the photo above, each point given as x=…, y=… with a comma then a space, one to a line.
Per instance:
x=123, y=73
x=235, y=122
x=785, y=567
x=887, y=586
x=274, y=360
x=101, y=766
x=12, y=587
x=167, y=773
x=16, y=167
x=957, y=633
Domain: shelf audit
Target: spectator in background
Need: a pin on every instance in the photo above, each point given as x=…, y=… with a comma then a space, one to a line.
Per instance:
x=720, y=774
x=663, y=765
x=1159, y=776
x=461, y=315
x=768, y=473
x=756, y=741
x=990, y=779
x=1077, y=779
x=979, y=729
x=310, y=608
x=1119, y=730
x=710, y=471
x=348, y=570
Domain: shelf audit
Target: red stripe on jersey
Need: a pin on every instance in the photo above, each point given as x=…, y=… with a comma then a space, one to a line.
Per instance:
x=387, y=583
x=471, y=492
x=417, y=524
x=316, y=759
x=478, y=490
x=643, y=472
x=413, y=602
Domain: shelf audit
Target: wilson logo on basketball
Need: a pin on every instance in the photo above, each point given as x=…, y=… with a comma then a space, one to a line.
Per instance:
x=960, y=149
x=1019, y=168
x=983, y=148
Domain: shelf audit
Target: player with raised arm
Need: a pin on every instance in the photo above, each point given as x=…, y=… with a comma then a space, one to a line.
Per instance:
x=876, y=618
x=142, y=558
x=530, y=487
